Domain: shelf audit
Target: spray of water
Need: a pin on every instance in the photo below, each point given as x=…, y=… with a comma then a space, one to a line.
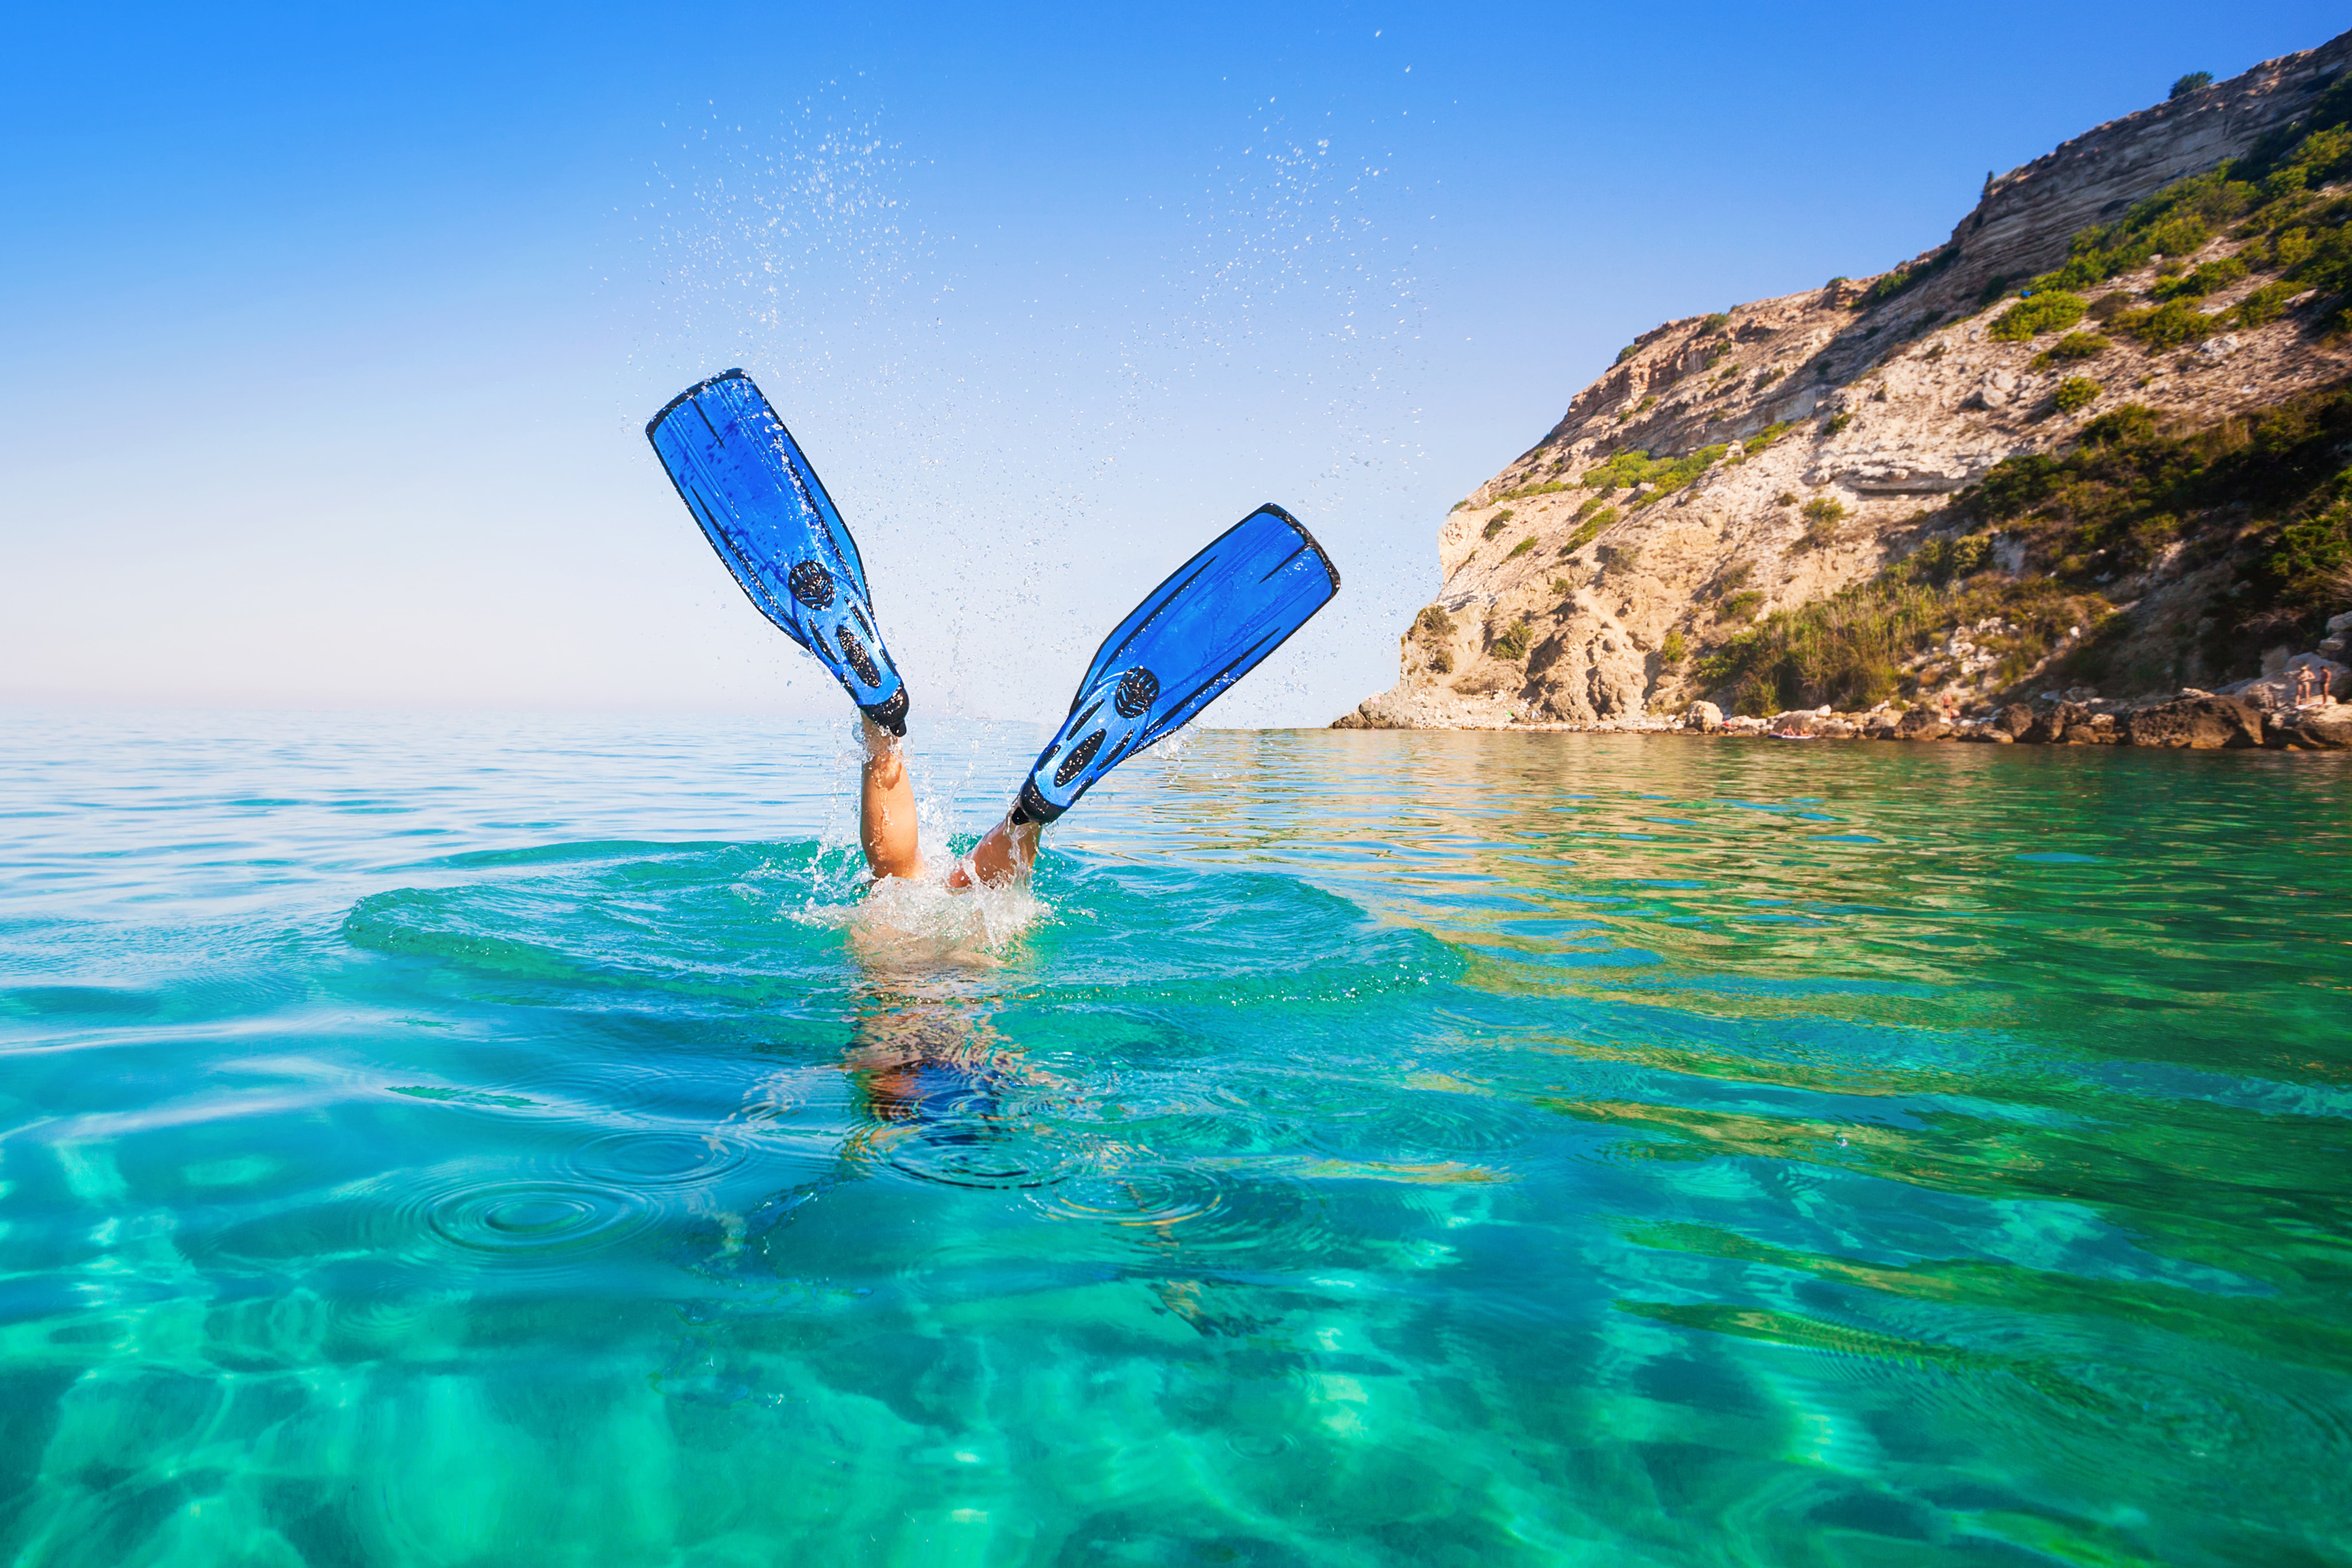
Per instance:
x=1020, y=469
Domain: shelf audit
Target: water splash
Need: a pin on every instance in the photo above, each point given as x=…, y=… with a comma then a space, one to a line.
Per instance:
x=1017, y=467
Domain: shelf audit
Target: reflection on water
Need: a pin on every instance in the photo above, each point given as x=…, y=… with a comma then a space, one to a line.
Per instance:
x=425, y=1141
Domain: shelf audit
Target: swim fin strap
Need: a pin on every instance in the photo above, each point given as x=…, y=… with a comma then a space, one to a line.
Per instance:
x=1193, y=636
x=765, y=512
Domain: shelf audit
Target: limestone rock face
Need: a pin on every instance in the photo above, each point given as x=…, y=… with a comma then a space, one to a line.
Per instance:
x=2049, y=726
x=2198, y=723
x=1587, y=671
x=2312, y=729
x=1703, y=715
x=2022, y=225
x=1815, y=438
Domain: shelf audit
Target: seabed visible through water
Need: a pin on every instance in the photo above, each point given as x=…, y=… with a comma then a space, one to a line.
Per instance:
x=478, y=1140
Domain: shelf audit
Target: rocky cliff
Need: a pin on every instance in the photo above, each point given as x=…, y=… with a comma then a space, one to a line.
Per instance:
x=2100, y=432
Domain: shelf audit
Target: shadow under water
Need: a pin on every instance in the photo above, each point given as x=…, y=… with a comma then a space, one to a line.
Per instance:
x=1359, y=1149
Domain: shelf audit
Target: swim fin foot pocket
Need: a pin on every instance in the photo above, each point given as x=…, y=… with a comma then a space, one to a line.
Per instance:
x=1194, y=635
x=766, y=513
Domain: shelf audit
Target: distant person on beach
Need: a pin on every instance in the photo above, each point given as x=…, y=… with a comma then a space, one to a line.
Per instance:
x=2302, y=684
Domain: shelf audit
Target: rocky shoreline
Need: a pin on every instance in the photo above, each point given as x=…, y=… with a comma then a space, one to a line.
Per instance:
x=2265, y=712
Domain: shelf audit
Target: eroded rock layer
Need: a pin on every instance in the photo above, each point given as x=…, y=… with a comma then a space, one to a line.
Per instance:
x=1764, y=458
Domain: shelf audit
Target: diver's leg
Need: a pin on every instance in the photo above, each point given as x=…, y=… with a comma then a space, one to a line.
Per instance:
x=1003, y=858
x=886, y=807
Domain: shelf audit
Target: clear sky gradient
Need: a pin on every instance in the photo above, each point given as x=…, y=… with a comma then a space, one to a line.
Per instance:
x=327, y=336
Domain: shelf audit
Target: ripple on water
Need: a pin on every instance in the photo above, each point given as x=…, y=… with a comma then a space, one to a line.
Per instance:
x=979, y=1151
x=1417, y=1122
x=1263, y=1218
x=533, y=1223
x=653, y=1158
x=1149, y=1195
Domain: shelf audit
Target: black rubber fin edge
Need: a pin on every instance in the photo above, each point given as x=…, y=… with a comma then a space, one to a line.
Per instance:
x=689, y=395
x=1295, y=526
x=694, y=512
x=1030, y=807
x=1320, y=554
x=892, y=715
x=848, y=542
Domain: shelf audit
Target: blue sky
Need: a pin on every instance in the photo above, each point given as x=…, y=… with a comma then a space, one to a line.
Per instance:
x=326, y=337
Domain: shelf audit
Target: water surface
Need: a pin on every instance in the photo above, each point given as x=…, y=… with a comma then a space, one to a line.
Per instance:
x=469, y=1140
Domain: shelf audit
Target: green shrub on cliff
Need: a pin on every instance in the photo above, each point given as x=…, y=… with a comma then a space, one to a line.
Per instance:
x=2046, y=311
x=1903, y=277
x=2075, y=392
x=1730, y=580
x=2193, y=82
x=2170, y=326
x=1590, y=530
x=1822, y=515
x=1941, y=559
x=1636, y=467
x=2204, y=280
x=2072, y=346
x=1521, y=547
x=2265, y=305
x=1716, y=323
x=1434, y=621
x=1512, y=643
x=1498, y=523
x=1768, y=435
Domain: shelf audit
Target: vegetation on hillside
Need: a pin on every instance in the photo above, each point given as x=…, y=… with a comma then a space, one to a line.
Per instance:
x=2270, y=200
x=1589, y=527
x=2072, y=346
x=2073, y=392
x=1627, y=469
x=1905, y=276
x=2266, y=499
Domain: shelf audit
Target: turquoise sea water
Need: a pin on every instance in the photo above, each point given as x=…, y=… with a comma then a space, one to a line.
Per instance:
x=480, y=1140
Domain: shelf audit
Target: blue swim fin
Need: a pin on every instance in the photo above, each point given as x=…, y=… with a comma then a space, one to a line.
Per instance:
x=1193, y=636
x=765, y=512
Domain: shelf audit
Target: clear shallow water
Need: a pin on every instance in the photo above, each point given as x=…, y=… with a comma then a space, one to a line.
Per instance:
x=458, y=1140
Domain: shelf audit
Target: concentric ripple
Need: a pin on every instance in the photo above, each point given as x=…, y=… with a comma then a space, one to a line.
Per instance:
x=1157, y=1196
x=657, y=1158
x=535, y=1223
x=979, y=1152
